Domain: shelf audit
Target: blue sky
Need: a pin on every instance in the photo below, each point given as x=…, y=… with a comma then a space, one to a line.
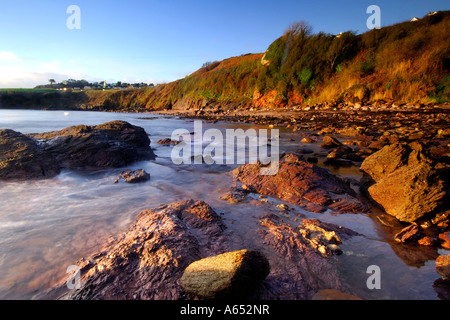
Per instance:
x=161, y=41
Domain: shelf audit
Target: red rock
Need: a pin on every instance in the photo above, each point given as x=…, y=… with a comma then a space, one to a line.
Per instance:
x=445, y=240
x=330, y=142
x=428, y=241
x=301, y=183
x=377, y=145
x=442, y=225
x=348, y=206
x=168, y=141
x=443, y=266
x=403, y=182
x=409, y=234
x=135, y=176
x=307, y=268
x=147, y=261
x=307, y=140
x=329, y=294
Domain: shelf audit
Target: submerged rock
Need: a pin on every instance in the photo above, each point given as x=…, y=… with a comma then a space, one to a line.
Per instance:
x=168, y=142
x=330, y=142
x=228, y=275
x=409, y=234
x=135, y=176
x=324, y=237
x=235, y=195
x=22, y=158
x=110, y=145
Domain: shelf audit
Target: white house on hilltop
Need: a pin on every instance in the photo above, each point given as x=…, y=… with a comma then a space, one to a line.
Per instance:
x=429, y=14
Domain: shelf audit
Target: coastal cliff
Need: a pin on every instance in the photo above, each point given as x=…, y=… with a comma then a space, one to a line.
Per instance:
x=406, y=63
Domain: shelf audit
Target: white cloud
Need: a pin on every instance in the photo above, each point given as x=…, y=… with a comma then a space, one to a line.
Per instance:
x=8, y=56
x=27, y=72
x=17, y=72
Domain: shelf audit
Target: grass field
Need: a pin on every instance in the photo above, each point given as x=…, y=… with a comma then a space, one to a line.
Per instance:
x=24, y=90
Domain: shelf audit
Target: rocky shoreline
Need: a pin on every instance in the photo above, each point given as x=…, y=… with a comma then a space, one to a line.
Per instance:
x=405, y=158
x=183, y=251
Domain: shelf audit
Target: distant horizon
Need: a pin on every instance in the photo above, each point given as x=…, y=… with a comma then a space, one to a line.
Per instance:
x=159, y=42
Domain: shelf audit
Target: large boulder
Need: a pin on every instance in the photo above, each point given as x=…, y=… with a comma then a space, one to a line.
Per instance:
x=402, y=180
x=112, y=144
x=303, y=184
x=228, y=275
x=22, y=158
x=147, y=261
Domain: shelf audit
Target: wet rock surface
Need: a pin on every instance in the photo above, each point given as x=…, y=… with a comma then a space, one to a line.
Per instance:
x=443, y=266
x=168, y=142
x=409, y=234
x=182, y=251
x=305, y=253
x=328, y=294
x=303, y=266
x=301, y=183
x=148, y=260
x=135, y=176
x=330, y=142
x=22, y=158
x=324, y=237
